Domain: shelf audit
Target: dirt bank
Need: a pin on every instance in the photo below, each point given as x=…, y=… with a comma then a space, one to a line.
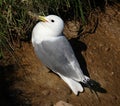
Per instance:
x=32, y=84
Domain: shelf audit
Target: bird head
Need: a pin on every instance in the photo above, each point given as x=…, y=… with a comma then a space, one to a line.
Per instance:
x=52, y=23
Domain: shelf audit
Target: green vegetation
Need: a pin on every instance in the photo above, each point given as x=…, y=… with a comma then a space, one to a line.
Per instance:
x=16, y=24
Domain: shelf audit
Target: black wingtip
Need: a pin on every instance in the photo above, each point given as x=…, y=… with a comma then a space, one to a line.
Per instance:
x=94, y=86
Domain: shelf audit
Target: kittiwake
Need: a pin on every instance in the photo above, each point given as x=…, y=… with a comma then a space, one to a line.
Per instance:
x=55, y=52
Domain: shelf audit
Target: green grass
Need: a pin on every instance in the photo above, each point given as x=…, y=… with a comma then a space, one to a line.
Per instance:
x=16, y=24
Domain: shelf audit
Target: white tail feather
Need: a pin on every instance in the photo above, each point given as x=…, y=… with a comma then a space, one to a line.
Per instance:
x=74, y=85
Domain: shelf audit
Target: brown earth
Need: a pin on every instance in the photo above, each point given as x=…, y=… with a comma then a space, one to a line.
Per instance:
x=32, y=84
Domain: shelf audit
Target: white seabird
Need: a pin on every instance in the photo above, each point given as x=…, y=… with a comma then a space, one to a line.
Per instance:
x=55, y=52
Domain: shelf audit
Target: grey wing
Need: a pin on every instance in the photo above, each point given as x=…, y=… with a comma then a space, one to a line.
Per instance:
x=59, y=57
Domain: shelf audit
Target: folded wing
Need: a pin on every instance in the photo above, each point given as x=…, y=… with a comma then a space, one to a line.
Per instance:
x=58, y=55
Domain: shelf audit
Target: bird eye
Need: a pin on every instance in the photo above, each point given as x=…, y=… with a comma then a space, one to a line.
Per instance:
x=52, y=21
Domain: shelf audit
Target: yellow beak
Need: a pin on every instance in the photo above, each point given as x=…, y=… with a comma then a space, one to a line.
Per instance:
x=42, y=18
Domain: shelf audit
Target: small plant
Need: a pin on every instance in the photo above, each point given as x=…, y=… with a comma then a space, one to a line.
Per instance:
x=16, y=24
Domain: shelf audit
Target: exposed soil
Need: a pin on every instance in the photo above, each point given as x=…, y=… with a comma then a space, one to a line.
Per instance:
x=32, y=84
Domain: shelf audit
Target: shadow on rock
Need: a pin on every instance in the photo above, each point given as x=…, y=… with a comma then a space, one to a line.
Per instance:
x=78, y=47
x=5, y=100
x=8, y=95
